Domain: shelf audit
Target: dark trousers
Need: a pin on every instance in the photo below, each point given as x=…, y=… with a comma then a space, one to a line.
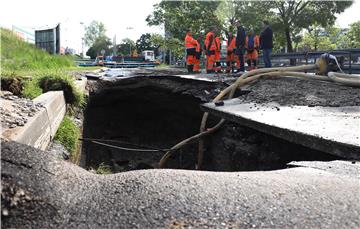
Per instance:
x=253, y=62
x=266, y=57
x=240, y=54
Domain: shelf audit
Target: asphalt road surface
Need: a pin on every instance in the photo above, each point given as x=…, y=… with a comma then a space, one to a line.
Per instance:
x=41, y=191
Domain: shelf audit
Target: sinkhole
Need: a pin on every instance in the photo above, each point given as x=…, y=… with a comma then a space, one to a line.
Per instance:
x=147, y=114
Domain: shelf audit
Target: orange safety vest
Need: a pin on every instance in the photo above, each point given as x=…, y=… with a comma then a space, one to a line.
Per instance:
x=218, y=44
x=256, y=42
x=190, y=42
x=198, y=46
x=210, y=42
x=232, y=45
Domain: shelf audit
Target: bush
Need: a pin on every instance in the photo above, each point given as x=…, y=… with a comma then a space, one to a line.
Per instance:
x=68, y=135
x=59, y=80
x=103, y=169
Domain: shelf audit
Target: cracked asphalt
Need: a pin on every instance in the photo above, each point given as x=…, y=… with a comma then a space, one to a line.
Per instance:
x=41, y=191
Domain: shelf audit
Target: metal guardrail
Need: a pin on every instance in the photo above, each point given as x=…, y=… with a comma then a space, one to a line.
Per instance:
x=307, y=56
x=303, y=55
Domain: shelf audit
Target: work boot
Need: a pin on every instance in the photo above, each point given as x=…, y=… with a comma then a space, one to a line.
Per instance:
x=190, y=68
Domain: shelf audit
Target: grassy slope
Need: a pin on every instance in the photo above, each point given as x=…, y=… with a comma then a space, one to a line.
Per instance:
x=19, y=57
x=49, y=72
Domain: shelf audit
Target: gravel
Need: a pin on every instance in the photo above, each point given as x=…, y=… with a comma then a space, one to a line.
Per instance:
x=287, y=91
x=16, y=111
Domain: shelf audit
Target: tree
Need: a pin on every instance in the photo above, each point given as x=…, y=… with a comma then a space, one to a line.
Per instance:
x=293, y=16
x=126, y=47
x=101, y=43
x=331, y=37
x=177, y=16
x=288, y=17
x=173, y=44
x=93, y=32
x=247, y=12
x=144, y=43
x=354, y=35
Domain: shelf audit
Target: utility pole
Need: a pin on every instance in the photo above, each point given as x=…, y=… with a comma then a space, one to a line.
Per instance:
x=82, y=40
x=129, y=28
x=114, y=46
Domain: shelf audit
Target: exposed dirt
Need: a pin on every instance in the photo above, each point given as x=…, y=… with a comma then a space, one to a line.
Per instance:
x=13, y=84
x=146, y=111
x=286, y=91
x=160, y=112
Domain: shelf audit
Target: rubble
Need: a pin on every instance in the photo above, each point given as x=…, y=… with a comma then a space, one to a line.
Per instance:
x=16, y=111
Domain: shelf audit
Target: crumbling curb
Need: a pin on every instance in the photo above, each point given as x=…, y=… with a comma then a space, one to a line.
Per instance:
x=41, y=128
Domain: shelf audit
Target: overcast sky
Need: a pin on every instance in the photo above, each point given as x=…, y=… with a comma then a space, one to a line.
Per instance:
x=117, y=15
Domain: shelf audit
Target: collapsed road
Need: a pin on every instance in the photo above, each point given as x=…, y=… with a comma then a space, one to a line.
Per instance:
x=41, y=191
x=157, y=109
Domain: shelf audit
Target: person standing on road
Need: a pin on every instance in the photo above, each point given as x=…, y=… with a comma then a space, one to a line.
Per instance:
x=190, y=45
x=266, y=43
x=252, y=45
x=240, y=45
x=217, y=51
x=210, y=47
x=197, y=63
x=230, y=50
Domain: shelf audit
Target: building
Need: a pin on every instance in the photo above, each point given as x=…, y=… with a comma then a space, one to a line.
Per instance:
x=24, y=34
x=48, y=40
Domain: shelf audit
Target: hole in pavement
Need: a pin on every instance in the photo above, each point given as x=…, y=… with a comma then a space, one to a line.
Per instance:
x=156, y=117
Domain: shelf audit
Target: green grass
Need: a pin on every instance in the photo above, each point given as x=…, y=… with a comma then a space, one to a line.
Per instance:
x=17, y=55
x=103, y=169
x=68, y=135
x=31, y=89
x=48, y=72
x=86, y=68
x=162, y=66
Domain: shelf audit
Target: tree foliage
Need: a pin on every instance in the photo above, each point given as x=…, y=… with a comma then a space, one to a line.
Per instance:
x=288, y=18
x=126, y=47
x=354, y=35
x=173, y=44
x=177, y=16
x=101, y=43
x=331, y=37
x=93, y=32
x=144, y=43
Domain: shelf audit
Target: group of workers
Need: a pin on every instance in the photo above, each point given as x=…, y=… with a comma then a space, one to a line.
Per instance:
x=238, y=48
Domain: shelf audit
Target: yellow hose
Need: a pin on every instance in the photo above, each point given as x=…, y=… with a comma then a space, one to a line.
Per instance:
x=343, y=80
x=250, y=77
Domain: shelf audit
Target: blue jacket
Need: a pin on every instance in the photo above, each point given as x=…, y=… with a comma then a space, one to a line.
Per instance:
x=266, y=38
x=240, y=38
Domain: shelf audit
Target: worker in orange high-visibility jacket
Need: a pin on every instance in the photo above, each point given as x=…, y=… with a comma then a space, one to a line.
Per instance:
x=231, y=57
x=198, y=54
x=217, y=53
x=252, y=44
x=210, y=47
x=190, y=45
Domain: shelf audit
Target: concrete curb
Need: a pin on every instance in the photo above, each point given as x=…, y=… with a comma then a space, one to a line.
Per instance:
x=41, y=129
x=80, y=84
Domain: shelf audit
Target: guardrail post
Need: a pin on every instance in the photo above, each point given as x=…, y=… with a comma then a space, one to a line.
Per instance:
x=350, y=70
x=306, y=60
